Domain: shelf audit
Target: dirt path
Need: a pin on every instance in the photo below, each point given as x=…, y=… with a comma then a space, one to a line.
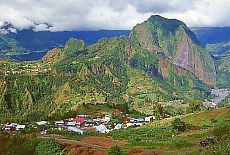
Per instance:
x=93, y=145
x=79, y=143
x=186, y=134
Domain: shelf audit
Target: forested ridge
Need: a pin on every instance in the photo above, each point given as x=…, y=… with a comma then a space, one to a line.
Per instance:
x=128, y=73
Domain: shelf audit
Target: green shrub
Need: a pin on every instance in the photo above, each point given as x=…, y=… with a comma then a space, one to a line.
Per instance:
x=48, y=147
x=178, y=124
x=170, y=143
x=115, y=150
x=143, y=133
x=222, y=131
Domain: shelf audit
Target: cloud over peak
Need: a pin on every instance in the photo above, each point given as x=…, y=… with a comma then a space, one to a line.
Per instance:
x=59, y=15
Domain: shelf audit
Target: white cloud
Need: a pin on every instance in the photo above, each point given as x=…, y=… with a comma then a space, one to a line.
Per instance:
x=41, y=27
x=58, y=15
x=162, y=6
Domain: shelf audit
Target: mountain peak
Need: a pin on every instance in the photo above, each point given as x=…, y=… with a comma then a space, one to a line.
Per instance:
x=158, y=17
x=178, y=43
x=171, y=26
x=170, y=23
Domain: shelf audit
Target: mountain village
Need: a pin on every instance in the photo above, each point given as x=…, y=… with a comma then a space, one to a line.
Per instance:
x=80, y=124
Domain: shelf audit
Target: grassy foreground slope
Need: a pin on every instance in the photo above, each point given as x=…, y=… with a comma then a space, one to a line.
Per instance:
x=161, y=135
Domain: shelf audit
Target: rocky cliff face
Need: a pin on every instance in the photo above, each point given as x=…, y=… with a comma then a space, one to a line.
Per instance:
x=178, y=44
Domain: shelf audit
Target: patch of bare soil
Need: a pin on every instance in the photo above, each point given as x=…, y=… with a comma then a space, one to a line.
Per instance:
x=102, y=111
x=102, y=141
x=93, y=145
x=82, y=150
x=145, y=152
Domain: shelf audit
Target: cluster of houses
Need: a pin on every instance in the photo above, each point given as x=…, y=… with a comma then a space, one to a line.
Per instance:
x=101, y=124
x=82, y=123
x=29, y=68
x=12, y=126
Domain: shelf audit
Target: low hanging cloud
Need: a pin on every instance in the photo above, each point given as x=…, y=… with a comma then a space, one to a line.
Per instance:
x=59, y=15
x=163, y=6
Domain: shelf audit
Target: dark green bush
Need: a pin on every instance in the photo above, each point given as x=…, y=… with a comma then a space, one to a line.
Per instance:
x=222, y=131
x=48, y=147
x=115, y=150
x=178, y=124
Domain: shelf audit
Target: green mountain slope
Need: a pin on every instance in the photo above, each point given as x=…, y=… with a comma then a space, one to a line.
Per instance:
x=121, y=72
x=178, y=44
x=223, y=71
x=9, y=46
x=216, y=39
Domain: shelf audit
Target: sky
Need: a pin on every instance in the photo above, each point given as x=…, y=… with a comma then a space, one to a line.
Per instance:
x=60, y=15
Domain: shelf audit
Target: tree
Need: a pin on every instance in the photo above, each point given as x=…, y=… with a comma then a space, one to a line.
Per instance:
x=178, y=124
x=48, y=147
x=194, y=105
x=157, y=108
x=115, y=150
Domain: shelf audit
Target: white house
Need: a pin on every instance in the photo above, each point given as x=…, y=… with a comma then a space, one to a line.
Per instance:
x=71, y=123
x=75, y=130
x=101, y=128
x=140, y=120
x=59, y=122
x=43, y=123
x=133, y=124
x=118, y=126
x=20, y=127
x=150, y=118
x=14, y=124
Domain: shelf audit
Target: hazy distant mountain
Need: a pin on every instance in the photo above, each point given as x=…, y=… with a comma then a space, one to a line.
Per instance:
x=29, y=41
x=216, y=39
x=212, y=35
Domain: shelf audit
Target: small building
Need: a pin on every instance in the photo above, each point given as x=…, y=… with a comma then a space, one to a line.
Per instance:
x=133, y=120
x=133, y=124
x=66, y=121
x=8, y=127
x=33, y=126
x=118, y=126
x=82, y=116
x=166, y=116
x=105, y=120
x=80, y=121
x=20, y=127
x=89, y=123
x=101, y=128
x=59, y=123
x=150, y=119
x=73, y=123
x=99, y=117
x=14, y=124
x=97, y=121
x=74, y=129
x=108, y=117
x=126, y=120
x=43, y=123
x=139, y=120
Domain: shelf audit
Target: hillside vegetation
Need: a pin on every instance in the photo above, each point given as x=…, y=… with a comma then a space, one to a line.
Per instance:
x=156, y=63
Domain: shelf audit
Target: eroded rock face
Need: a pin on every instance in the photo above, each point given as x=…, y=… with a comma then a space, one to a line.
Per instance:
x=53, y=55
x=189, y=57
x=165, y=65
x=179, y=45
